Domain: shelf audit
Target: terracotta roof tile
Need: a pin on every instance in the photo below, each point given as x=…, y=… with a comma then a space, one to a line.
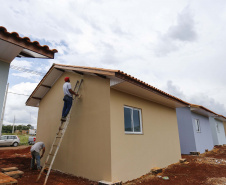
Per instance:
x=151, y=87
x=26, y=40
x=204, y=108
x=128, y=76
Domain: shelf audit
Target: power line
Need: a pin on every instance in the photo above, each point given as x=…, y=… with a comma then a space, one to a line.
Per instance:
x=19, y=94
x=26, y=70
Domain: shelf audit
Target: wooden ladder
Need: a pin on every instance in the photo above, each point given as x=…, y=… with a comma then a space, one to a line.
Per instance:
x=57, y=141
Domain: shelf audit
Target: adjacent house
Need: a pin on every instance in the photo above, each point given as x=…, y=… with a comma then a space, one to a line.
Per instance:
x=196, y=132
x=218, y=130
x=12, y=46
x=120, y=128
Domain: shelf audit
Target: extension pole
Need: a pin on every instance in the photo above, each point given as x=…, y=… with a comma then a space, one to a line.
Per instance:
x=3, y=109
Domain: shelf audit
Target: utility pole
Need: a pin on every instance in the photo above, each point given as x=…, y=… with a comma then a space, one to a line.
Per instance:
x=13, y=124
x=3, y=109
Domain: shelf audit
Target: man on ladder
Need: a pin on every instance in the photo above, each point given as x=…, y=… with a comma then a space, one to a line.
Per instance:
x=66, y=114
x=68, y=97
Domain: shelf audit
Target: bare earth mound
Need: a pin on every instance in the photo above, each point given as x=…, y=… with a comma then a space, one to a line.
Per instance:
x=208, y=168
x=21, y=159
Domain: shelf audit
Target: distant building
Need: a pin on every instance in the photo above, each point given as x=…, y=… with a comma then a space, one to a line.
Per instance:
x=32, y=131
x=24, y=131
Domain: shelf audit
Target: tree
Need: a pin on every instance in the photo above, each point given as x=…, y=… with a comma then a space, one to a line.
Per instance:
x=29, y=126
x=7, y=128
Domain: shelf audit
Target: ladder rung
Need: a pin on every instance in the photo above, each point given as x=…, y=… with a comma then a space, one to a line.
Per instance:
x=55, y=145
x=51, y=154
x=47, y=164
x=59, y=137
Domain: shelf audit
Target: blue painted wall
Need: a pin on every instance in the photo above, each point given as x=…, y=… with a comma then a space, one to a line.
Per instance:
x=214, y=130
x=221, y=133
x=4, y=71
x=203, y=139
x=186, y=131
x=218, y=135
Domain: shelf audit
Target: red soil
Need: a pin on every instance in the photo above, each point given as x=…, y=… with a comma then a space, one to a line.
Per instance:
x=208, y=169
x=21, y=159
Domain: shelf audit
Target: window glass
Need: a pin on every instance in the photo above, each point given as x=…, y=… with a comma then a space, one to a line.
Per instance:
x=132, y=120
x=197, y=124
x=3, y=137
x=10, y=137
x=127, y=119
x=136, y=120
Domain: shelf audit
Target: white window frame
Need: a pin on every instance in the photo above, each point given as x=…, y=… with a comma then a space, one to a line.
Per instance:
x=197, y=125
x=141, y=128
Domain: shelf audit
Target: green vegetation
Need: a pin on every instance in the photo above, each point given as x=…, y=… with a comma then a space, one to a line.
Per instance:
x=9, y=128
x=23, y=139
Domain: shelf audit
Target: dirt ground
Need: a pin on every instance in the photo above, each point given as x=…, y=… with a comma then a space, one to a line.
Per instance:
x=208, y=168
x=20, y=157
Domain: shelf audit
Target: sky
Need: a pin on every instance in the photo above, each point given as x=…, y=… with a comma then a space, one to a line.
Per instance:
x=177, y=46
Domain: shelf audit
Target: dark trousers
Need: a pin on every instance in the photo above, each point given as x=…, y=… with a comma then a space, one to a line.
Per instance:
x=67, y=105
x=35, y=156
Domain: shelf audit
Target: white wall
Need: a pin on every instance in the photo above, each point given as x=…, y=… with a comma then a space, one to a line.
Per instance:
x=218, y=135
x=203, y=139
x=4, y=71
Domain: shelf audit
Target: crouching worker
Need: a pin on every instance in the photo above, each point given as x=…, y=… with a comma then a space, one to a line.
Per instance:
x=68, y=97
x=35, y=150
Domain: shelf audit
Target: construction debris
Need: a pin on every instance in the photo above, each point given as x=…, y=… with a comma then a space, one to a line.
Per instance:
x=183, y=160
x=12, y=172
x=194, y=153
x=109, y=183
x=165, y=178
x=156, y=170
x=209, y=160
x=9, y=169
x=5, y=180
x=15, y=174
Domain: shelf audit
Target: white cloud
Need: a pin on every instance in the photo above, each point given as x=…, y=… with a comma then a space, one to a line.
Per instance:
x=181, y=41
x=199, y=98
x=15, y=105
x=22, y=63
x=176, y=35
x=184, y=29
x=34, y=77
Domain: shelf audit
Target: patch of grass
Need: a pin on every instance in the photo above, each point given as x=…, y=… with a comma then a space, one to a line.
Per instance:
x=23, y=139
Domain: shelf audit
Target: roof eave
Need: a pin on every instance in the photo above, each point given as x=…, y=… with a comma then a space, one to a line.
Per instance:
x=130, y=79
x=25, y=43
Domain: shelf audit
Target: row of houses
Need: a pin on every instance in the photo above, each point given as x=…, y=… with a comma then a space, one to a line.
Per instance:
x=200, y=129
x=121, y=127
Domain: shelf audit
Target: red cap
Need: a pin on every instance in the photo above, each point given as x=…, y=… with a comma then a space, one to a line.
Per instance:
x=66, y=79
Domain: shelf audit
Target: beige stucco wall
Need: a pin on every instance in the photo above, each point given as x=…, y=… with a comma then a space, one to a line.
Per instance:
x=158, y=146
x=85, y=150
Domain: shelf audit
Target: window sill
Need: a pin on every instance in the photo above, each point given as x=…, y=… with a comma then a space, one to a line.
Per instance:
x=134, y=133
